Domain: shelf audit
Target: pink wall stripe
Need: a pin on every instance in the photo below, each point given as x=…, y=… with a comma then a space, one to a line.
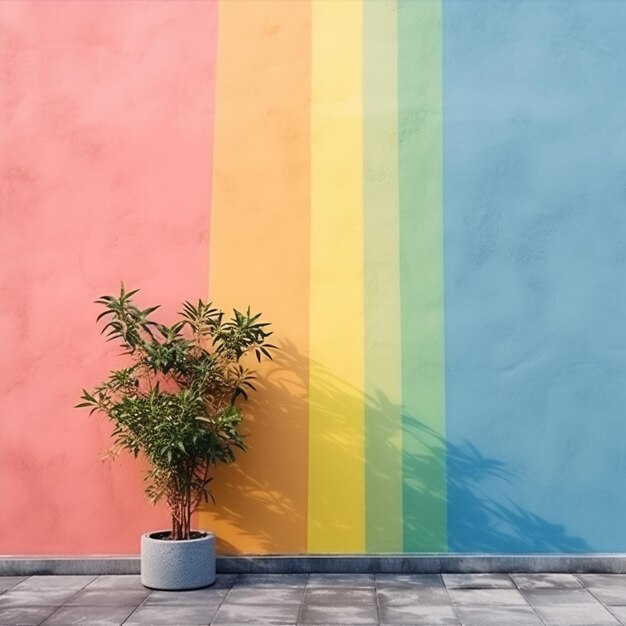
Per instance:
x=105, y=159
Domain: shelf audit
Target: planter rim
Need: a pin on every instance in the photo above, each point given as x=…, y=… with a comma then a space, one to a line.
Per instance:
x=207, y=535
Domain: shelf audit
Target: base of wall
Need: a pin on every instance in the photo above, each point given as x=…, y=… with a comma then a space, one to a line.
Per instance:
x=93, y=565
x=326, y=564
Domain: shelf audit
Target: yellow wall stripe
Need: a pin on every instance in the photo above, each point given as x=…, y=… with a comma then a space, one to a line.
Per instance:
x=336, y=413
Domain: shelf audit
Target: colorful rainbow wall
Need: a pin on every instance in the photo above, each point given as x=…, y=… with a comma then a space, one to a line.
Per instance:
x=327, y=181
x=425, y=197
x=348, y=164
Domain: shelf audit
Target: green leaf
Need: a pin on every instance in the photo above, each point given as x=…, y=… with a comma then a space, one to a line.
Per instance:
x=175, y=402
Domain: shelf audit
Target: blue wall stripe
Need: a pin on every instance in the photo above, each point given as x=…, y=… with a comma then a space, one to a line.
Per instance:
x=535, y=278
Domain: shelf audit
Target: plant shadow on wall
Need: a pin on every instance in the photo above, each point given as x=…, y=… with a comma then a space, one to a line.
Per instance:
x=266, y=489
x=262, y=497
x=482, y=523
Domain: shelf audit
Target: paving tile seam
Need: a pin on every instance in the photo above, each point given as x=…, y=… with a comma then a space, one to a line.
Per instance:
x=138, y=606
x=530, y=604
x=515, y=587
x=377, y=598
x=601, y=604
x=221, y=604
x=609, y=608
x=144, y=603
x=454, y=609
x=299, y=618
x=619, y=620
x=593, y=595
x=590, y=589
x=56, y=610
x=534, y=610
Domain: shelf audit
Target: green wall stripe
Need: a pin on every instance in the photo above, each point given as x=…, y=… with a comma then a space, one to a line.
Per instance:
x=383, y=415
x=421, y=274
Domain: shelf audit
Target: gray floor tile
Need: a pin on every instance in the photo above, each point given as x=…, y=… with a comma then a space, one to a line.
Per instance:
x=14, y=598
x=427, y=615
x=576, y=615
x=320, y=614
x=225, y=581
x=126, y=582
x=6, y=582
x=52, y=583
x=170, y=615
x=25, y=616
x=409, y=580
x=545, y=581
x=477, y=581
x=487, y=597
x=498, y=616
x=602, y=580
x=257, y=614
x=342, y=580
x=619, y=612
x=339, y=597
x=248, y=595
x=410, y=595
x=109, y=597
x=197, y=597
x=611, y=596
x=91, y=615
x=271, y=580
x=484, y=600
x=556, y=597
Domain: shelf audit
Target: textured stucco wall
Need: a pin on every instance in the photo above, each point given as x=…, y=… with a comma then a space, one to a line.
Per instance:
x=105, y=155
x=425, y=197
x=535, y=234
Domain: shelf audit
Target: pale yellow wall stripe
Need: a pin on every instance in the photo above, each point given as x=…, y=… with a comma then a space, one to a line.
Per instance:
x=383, y=345
x=336, y=418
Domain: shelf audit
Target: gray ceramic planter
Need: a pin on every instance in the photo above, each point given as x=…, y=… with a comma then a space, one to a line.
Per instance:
x=176, y=565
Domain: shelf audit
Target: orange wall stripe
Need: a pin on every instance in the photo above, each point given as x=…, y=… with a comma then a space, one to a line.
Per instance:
x=259, y=252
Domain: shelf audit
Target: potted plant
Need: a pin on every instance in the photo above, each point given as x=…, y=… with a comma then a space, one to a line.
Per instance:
x=176, y=404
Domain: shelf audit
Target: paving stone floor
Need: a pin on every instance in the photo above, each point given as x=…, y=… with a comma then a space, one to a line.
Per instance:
x=330, y=599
